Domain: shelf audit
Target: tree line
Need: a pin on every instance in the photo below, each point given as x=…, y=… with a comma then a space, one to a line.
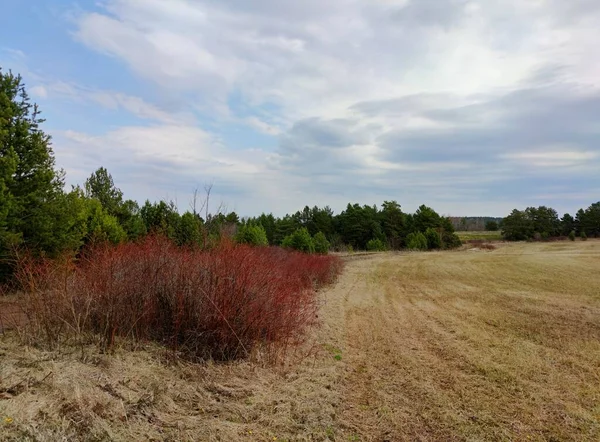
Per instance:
x=475, y=223
x=539, y=223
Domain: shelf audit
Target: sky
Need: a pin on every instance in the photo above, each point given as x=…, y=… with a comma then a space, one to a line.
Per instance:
x=471, y=107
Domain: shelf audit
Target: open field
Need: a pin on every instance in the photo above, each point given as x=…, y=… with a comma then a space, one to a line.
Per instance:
x=462, y=345
x=487, y=235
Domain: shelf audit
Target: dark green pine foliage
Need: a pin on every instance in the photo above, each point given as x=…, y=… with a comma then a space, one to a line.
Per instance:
x=34, y=209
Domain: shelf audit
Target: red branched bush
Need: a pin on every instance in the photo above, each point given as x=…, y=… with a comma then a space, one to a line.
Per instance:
x=219, y=303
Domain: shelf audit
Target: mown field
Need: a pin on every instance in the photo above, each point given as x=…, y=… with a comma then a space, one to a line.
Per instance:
x=463, y=345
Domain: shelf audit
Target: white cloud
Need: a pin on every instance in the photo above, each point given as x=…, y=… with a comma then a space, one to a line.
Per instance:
x=317, y=59
x=450, y=100
x=165, y=162
x=553, y=158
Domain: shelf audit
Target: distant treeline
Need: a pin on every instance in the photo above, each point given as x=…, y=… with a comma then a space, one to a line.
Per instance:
x=543, y=223
x=475, y=223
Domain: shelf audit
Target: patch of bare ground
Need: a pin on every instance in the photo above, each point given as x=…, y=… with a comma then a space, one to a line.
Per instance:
x=498, y=345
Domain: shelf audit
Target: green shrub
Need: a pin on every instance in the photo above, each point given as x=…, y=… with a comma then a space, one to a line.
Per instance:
x=572, y=235
x=450, y=240
x=102, y=226
x=254, y=235
x=299, y=240
x=433, y=239
x=583, y=236
x=321, y=244
x=376, y=245
x=416, y=241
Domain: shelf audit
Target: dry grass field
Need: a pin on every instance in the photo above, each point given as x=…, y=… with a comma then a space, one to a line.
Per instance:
x=470, y=345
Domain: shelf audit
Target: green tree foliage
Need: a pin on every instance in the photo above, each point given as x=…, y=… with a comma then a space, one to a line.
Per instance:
x=450, y=240
x=567, y=224
x=491, y=226
x=358, y=225
x=131, y=220
x=393, y=223
x=588, y=220
x=160, y=218
x=416, y=241
x=321, y=244
x=299, y=240
x=252, y=234
x=434, y=240
x=101, y=225
x=32, y=201
x=100, y=185
x=532, y=223
x=188, y=231
x=579, y=219
x=517, y=226
x=583, y=236
x=572, y=235
x=9, y=238
x=269, y=224
x=284, y=227
x=376, y=245
x=545, y=221
x=425, y=218
x=28, y=173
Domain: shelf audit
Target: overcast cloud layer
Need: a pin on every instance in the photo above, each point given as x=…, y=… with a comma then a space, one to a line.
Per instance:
x=473, y=107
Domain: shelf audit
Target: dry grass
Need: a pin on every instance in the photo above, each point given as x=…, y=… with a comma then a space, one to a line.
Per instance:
x=501, y=345
x=143, y=395
x=494, y=345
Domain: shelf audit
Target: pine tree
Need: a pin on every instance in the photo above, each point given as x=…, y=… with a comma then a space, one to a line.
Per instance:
x=29, y=184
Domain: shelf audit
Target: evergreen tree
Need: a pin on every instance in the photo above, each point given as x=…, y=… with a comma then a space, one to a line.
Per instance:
x=393, y=223
x=252, y=234
x=434, y=241
x=567, y=224
x=321, y=244
x=30, y=187
x=299, y=240
x=100, y=185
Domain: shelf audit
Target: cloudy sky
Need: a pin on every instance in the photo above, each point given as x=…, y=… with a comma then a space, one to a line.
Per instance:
x=472, y=107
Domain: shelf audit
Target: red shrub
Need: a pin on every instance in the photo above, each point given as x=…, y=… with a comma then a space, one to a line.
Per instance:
x=219, y=303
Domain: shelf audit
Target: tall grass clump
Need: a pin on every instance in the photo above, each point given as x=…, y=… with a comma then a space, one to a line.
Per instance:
x=221, y=303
